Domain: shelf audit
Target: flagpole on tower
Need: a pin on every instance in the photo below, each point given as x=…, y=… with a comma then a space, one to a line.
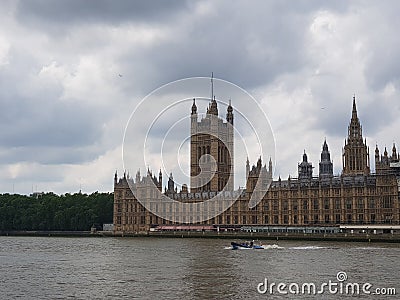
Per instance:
x=212, y=86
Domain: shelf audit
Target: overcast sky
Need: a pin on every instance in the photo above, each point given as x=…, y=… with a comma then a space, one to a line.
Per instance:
x=64, y=105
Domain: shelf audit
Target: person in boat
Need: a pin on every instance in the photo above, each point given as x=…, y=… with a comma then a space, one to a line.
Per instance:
x=251, y=244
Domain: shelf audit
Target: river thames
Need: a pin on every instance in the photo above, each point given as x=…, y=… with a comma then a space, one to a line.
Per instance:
x=167, y=268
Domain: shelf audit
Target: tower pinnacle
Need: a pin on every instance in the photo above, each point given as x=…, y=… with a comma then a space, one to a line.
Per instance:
x=356, y=154
x=194, y=107
x=354, y=112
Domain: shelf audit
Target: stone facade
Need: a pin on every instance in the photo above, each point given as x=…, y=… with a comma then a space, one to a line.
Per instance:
x=354, y=197
x=211, y=138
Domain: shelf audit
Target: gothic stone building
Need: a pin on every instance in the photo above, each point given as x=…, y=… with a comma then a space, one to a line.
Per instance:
x=354, y=197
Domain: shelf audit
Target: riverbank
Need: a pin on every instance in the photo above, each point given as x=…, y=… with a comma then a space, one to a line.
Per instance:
x=53, y=233
x=338, y=237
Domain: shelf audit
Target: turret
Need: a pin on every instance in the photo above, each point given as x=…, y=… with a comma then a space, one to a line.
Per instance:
x=259, y=163
x=229, y=115
x=270, y=166
x=194, y=107
x=213, y=108
x=304, y=156
x=376, y=154
x=325, y=165
x=138, y=176
x=160, y=181
x=305, y=168
x=394, y=152
x=171, y=184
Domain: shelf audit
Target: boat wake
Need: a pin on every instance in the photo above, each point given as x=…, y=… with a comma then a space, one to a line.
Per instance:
x=308, y=248
x=274, y=246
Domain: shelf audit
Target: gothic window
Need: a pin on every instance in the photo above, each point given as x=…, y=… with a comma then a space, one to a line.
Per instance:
x=327, y=219
x=348, y=203
x=275, y=205
x=236, y=219
x=305, y=205
x=286, y=219
x=295, y=219
x=276, y=219
x=387, y=202
x=316, y=204
x=349, y=218
x=373, y=218
x=360, y=218
x=337, y=217
x=254, y=220
x=360, y=203
x=316, y=219
x=326, y=203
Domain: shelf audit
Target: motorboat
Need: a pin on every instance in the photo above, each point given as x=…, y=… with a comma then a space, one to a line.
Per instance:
x=246, y=245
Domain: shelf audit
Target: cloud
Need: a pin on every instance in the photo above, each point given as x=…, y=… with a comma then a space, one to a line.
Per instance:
x=42, y=13
x=64, y=105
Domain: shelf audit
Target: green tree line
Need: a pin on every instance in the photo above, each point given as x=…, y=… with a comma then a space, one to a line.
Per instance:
x=55, y=212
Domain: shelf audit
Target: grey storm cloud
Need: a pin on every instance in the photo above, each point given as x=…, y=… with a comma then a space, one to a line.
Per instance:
x=47, y=124
x=103, y=57
x=249, y=48
x=42, y=12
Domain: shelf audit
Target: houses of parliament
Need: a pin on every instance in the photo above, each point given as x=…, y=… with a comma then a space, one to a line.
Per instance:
x=356, y=196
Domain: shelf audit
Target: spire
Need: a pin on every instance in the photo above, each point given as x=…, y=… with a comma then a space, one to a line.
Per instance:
x=325, y=165
x=305, y=156
x=229, y=115
x=356, y=152
x=354, y=113
x=270, y=165
x=194, y=107
x=259, y=163
x=394, y=152
x=355, y=129
x=376, y=150
x=171, y=183
x=138, y=176
x=325, y=146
